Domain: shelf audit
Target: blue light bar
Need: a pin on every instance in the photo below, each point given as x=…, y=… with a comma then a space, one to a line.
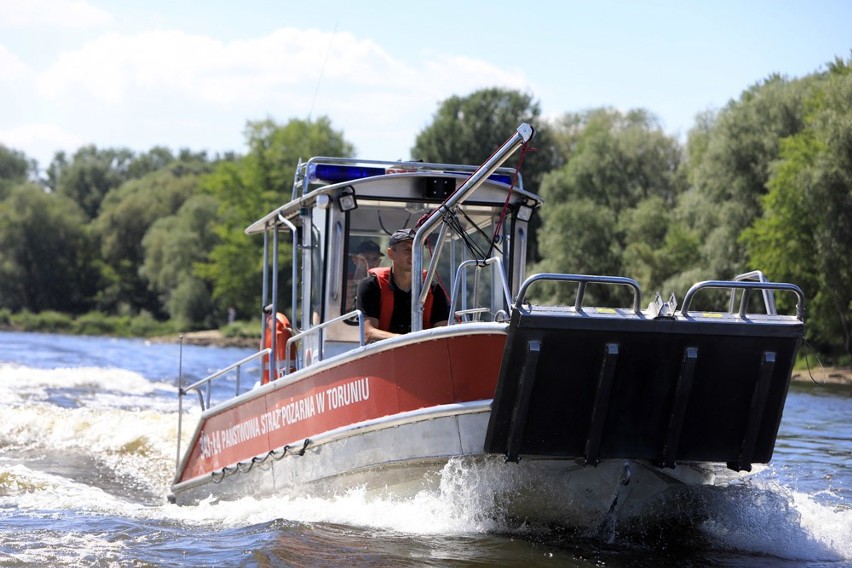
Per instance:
x=330, y=173
x=336, y=173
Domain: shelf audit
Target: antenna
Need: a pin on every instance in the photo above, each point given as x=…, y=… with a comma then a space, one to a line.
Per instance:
x=322, y=71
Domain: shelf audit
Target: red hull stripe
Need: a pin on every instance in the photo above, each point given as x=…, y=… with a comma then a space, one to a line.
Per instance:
x=416, y=375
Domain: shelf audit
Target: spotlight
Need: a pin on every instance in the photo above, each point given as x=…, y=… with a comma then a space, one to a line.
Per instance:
x=346, y=199
x=524, y=212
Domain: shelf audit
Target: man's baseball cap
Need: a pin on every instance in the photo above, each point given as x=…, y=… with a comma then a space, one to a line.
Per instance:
x=401, y=236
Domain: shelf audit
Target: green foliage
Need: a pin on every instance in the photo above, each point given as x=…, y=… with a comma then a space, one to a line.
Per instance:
x=191, y=306
x=97, y=323
x=248, y=188
x=584, y=238
x=172, y=246
x=53, y=321
x=805, y=233
x=25, y=320
x=729, y=164
x=127, y=213
x=235, y=269
x=657, y=246
x=697, y=143
x=44, y=252
x=91, y=173
x=49, y=321
x=91, y=323
x=130, y=209
x=467, y=130
x=274, y=149
x=616, y=159
x=89, y=176
x=145, y=325
x=608, y=207
x=142, y=325
x=14, y=165
x=156, y=158
x=14, y=169
x=765, y=182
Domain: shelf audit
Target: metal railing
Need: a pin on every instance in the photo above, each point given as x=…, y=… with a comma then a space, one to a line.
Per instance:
x=318, y=329
x=420, y=289
x=206, y=384
x=768, y=294
x=582, y=280
x=208, y=380
x=496, y=266
x=747, y=287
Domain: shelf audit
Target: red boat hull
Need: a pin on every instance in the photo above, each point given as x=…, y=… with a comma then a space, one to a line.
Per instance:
x=377, y=382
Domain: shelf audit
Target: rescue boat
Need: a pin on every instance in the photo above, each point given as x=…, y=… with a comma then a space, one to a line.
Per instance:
x=578, y=408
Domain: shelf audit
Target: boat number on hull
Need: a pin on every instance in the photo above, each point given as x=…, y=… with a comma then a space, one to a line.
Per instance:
x=296, y=410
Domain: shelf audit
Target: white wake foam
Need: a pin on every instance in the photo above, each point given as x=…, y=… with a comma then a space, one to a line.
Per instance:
x=767, y=518
x=760, y=519
x=136, y=448
x=93, y=386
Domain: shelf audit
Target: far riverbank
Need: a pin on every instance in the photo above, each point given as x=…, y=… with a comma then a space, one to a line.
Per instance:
x=824, y=375
x=212, y=337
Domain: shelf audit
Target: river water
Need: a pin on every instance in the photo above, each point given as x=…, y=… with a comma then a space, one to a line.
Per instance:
x=87, y=453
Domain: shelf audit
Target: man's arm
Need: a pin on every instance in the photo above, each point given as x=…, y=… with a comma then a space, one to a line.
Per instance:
x=372, y=333
x=368, y=300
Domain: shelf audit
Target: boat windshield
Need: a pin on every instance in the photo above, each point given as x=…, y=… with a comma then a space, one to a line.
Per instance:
x=372, y=223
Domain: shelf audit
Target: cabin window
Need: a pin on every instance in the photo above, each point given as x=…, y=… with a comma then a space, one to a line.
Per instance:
x=318, y=246
x=369, y=228
x=364, y=252
x=479, y=288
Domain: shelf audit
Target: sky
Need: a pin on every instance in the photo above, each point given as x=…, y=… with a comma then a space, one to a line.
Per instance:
x=191, y=73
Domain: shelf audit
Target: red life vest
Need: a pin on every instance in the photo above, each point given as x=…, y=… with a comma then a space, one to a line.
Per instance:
x=383, y=275
x=283, y=332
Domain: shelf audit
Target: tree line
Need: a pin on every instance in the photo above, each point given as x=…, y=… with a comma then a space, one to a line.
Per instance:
x=763, y=183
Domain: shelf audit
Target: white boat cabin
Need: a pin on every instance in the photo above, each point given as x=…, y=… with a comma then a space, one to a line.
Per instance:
x=343, y=212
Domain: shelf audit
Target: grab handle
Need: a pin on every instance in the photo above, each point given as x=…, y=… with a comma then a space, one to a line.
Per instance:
x=747, y=286
x=583, y=279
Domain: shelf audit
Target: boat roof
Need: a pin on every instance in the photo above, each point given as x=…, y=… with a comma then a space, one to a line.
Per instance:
x=391, y=181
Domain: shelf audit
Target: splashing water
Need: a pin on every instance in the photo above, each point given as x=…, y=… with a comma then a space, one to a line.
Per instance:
x=87, y=455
